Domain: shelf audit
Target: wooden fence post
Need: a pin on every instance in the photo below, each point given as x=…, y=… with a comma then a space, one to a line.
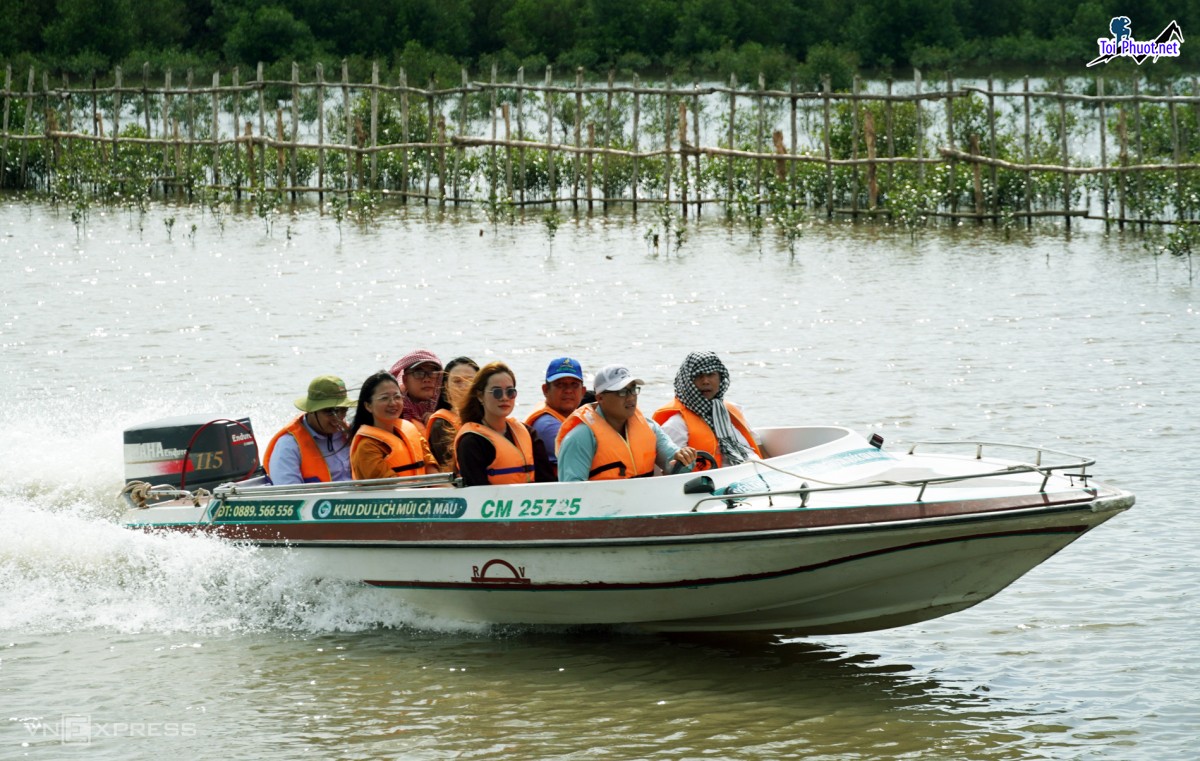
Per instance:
x=263, y=133
x=872, y=170
x=854, y=107
x=953, y=189
x=1066, y=156
x=891, y=139
x=4, y=123
x=578, y=137
x=404, y=137
x=116, y=133
x=294, y=134
x=236, y=99
x=374, y=182
x=493, y=169
x=760, y=144
x=607, y=126
x=1140, y=196
x=191, y=130
x=637, y=105
x=994, y=193
x=550, y=138
x=696, y=140
x=166, y=134
x=683, y=163
x=508, y=164
x=350, y=149
x=522, y=176
x=1103, y=152
x=463, y=104
x=920, y=126
x=591, y=143
x=1028, y=160
x=826, y=90
x=321, y=134
x=216, y=128
x=732, y=146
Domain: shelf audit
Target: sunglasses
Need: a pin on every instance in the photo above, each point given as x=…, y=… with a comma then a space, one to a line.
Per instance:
x=633, y=390
x=500, y=393
x=335, y=411
x=423, y=374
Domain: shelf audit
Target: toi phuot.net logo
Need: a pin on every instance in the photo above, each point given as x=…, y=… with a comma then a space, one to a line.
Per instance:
x=1123, y=45
x=79, y=729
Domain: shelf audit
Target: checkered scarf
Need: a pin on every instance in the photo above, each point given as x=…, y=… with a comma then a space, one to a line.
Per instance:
x=414, y=410
x=712, y=411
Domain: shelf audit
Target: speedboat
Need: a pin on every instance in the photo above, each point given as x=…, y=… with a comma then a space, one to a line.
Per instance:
x=832, y=533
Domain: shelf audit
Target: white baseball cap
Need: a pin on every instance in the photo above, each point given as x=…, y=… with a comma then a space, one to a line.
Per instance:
x=614, y=378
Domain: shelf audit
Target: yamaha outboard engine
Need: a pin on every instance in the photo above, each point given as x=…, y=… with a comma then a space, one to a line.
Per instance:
x=191, y=451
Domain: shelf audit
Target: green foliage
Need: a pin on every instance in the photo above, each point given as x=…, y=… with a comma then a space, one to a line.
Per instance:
x=704, y=37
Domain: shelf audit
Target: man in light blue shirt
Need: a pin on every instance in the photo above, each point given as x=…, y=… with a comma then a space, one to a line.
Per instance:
x=616, y=419
x=313, y=447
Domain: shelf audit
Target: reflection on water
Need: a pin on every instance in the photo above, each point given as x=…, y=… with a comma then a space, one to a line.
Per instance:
x=574, y=694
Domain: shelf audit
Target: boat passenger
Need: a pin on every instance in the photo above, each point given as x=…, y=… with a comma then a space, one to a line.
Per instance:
x=382, y=445
x=492, y=447
x=612, y=439
x=314, y=447
x=420, y=376
x=701, y=418
x=442, y=425
x=563, y=393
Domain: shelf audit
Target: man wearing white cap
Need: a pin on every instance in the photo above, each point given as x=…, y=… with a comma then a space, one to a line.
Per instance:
x=313, y=447
x=611, y=439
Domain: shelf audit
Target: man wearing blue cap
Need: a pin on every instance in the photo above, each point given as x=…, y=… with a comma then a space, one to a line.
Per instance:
x=563, y=391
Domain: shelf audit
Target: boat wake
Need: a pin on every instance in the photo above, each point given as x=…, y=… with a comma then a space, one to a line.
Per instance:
x=64, y=570
x=67, y=565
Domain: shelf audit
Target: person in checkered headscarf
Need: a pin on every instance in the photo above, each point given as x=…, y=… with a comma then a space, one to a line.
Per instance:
x=701, y=418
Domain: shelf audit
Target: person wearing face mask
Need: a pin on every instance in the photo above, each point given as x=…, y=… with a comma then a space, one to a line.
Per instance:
x=701, y=418
x=442, y=425
x=382, y=445
x=611, y=439
x=314, y=447
x=563, y=393
x=492, y=447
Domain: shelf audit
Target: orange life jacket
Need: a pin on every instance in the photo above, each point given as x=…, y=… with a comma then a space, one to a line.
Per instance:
x=544, y=410
x=631, y=456
x=404, y=453
x=513, y=464
x=447, y=415
x=700, y=435
x=313, y=467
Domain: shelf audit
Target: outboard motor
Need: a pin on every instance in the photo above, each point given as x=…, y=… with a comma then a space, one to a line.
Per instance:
x=191, y=451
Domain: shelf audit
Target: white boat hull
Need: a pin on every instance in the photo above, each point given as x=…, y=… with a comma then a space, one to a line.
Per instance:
x=648, y=554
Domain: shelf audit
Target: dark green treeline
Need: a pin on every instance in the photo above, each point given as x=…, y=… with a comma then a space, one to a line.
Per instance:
x=697, y=36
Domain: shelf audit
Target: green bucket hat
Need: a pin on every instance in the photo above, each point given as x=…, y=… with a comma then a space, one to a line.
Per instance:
x=324, y=392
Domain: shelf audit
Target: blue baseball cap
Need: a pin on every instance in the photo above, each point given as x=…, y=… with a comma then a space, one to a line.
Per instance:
x=563, y=367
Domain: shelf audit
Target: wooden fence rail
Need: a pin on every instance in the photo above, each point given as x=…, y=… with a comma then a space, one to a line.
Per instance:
x=961, y=152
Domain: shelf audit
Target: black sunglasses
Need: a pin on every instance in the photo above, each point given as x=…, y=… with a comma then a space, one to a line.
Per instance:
x=500, y=393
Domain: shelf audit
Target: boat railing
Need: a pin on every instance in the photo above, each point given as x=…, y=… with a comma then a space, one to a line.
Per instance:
x=225, y=491
x=804, y=491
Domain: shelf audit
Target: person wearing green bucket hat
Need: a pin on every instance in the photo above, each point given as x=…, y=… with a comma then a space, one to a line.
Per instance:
x=313, y=447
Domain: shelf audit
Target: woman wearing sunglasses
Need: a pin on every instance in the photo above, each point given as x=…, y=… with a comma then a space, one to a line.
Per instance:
x=492, y=447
